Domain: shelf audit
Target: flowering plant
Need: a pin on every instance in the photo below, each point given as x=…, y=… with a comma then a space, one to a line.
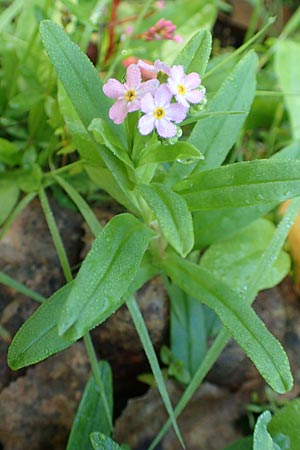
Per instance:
x=186, y=206
x=154, y=99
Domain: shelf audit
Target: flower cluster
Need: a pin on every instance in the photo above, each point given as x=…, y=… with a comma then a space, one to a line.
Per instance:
x=163, y=29
x=163, y=104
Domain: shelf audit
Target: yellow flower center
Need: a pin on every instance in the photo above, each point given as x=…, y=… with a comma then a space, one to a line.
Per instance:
x=181, y=89
x=159, y=112
x=130, y=95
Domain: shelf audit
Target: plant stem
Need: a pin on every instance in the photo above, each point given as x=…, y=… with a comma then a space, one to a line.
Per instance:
x=95, y=369
x=127, y=40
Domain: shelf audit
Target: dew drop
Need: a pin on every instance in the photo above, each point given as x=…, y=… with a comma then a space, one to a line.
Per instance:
x=185, y=160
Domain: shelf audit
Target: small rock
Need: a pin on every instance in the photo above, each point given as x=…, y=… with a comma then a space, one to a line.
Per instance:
x=37, y=410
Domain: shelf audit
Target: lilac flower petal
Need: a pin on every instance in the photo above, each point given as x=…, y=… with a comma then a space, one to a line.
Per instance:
x=181, y=99
x=146, y=66
x=118, y=111
x=134, y=105
x=195, y=96
x=113, y=88
x=192, y=81
x=163, y=95
x=162, y=67
x=172, y=85
x=133, y=76
x=177, y=73
x=146, y=124
x=148, y=86
x=165, y=128
x=147, y=103
x=177, y=112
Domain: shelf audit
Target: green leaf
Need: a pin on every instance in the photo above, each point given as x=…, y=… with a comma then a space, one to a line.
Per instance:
x=9, y=194
x=188, y=328
x=90, y=415
x=77, y=74
x=214, y=226
x=102, y=442
x=172, y=214
x=85, y=210
x=181, y=151
x=30, y=180
x=237, y=316
x=103, y=178
x=37, y=339
x=287, y=65
x=214, y=136
x=242, y=444
x=85, y=144
x=242, y=184
x=234, y=260
x=262, y=440
x=195, y=55
x=292, y=151
x=105, y=275
x=286, y=421
x=9, y=154
x=104, y=135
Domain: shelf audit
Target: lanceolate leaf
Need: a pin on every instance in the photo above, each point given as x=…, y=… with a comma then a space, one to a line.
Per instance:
x=214, y=136
x=172, y=214
x=102, y=442
x=237, y=316
x=262, y=440
x=77, y=74
x=194, y=56
x=286, y=421
x=214, y=226
x=37, y=339
x=287, y=65
x=85, y=144
x=235, y=259
x=105, y=275
x=90, y=415
x=243, y=184
x=104, y=135
x=181, y=151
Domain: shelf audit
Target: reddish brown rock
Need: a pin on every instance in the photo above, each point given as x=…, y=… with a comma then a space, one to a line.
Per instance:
x=37, y=410
x=207, y=423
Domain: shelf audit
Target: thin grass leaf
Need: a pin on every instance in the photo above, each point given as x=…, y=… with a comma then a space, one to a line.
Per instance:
x=55, y=235
x=14, y=284
x=85, y=210
x=16, y=212
x=150, y=352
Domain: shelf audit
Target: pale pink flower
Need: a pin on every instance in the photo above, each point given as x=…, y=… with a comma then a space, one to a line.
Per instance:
x=163, y=29
x=160, y=113
x=158, y=66
x=129, y=94
x=184, y=87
